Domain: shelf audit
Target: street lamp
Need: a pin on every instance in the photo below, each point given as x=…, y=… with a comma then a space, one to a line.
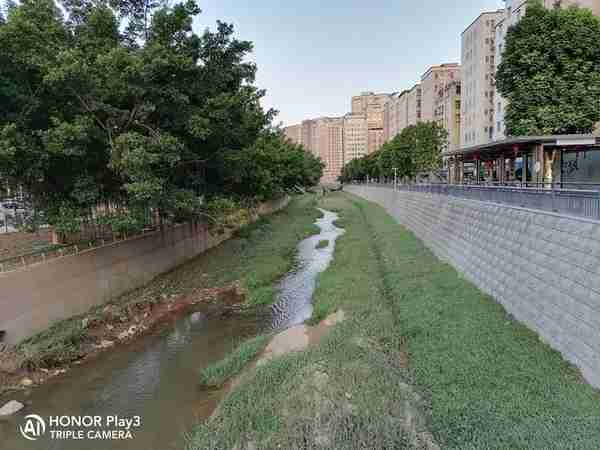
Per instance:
x=395, y=169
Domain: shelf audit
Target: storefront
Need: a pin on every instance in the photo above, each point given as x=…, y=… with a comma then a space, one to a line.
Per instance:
x=567, y=161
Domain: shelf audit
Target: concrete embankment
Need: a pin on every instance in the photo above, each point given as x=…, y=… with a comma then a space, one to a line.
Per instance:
x=32, y=298
x=544, y=268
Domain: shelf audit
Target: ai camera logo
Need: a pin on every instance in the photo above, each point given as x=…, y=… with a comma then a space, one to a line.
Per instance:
x=33, y=428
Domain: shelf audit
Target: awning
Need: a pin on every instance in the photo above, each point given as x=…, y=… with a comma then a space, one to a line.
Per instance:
x=516, y=143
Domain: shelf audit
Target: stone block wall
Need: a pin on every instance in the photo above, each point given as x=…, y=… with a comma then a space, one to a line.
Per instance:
x=544, y=268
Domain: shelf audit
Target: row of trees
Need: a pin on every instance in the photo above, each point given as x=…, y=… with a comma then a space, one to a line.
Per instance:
x=120, y=102
x=418, y=148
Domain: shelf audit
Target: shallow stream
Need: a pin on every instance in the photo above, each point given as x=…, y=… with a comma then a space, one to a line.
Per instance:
x=157, y=376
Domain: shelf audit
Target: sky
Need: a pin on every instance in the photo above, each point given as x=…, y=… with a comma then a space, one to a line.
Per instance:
x=314, y=55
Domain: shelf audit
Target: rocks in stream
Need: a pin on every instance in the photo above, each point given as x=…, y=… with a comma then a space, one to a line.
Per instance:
x=11, y=408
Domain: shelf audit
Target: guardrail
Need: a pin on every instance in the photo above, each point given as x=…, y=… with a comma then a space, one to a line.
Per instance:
x=574, y=202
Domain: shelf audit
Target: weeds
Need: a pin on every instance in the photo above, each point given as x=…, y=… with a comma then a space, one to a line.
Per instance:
x=217, y=374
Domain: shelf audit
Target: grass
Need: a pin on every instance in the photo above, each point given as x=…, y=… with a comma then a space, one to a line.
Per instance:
x=219, y=373
x=419, y=343
x=322, y=243
x=261, y=253
x=59, y=344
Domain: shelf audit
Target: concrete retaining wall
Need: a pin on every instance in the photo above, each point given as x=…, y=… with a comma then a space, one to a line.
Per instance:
x=543, y=268
x=32, y=298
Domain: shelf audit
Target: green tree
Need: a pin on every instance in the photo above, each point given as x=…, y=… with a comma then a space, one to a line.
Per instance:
x=147, y=117
x=550, y=72
x=418, y=148
x=270, y=167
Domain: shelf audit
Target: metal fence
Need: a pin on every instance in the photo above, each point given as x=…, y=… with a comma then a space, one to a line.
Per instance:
x=574, y=202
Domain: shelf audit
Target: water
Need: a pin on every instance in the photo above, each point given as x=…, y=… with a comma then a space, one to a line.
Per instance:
x=157, y=377
x=295, y=291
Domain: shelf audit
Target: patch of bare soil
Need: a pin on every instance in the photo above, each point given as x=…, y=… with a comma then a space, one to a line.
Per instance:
x=298, y=338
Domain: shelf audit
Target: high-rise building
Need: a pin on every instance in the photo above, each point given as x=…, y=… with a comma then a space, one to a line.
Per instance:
x=309, y=135
x=323, y=137
x=330, y=146
x=413, y=105
x=447, y=113
x=355, y=136
x=372, y=105
x=374, y=140
x=478, y=68
x=513, y=11
x=396, y=115
x=294, y=133
x=432, y=81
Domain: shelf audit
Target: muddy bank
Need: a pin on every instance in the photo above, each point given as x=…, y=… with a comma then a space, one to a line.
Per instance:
x=112, y=326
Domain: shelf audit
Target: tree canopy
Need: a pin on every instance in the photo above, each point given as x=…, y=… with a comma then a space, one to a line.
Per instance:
x=418, y=148
x=550, y=72
x=120, y=101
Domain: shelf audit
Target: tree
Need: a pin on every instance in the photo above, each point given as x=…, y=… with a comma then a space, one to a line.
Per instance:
x=147, y=118
x=270, y=166
x=550, y=72
x=418, y=148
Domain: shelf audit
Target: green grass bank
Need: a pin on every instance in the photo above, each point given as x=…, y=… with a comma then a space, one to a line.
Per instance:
x=423, y=357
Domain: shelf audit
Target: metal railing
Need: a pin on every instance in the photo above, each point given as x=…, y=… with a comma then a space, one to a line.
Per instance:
x=574, y=202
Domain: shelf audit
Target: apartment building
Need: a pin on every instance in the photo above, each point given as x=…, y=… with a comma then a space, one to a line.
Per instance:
x=513, y=11
x=294, y=133
x=413, y=105
x=324, y=137
x=355, y=136
x=374, y=140
x=372, y=105
x=448, y=113
x=433, y=81
x=478, y=68
x=396, y=115
x=388, y=112
x=330, y=146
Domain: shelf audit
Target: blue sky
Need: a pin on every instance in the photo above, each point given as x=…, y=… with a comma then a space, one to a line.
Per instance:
x=312, y=55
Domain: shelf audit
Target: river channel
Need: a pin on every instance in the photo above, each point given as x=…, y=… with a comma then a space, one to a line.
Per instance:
x=156, y=378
